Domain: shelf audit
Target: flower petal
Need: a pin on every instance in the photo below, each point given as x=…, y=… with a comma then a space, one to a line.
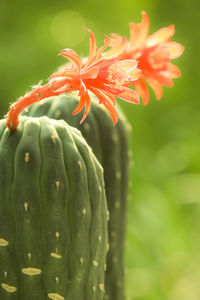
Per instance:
x=93, y=46
x=129, y=95
x=144, y=26
x=64, y=73
x=139, y=32
x=102, y=96
x=127, y=64
x=116, y=50
x=73, y=57
x=161, y=36
x=103, y=63
x=112, y=111
x=134, y=35
x=175, y=49
x=111, y=97
x=100, y=51
x=84, y=100
x=163, y=80
x=89, y=73
x=83, y=89
x=87, y=107
x=172, y=71
x=156, y=87
x=142, y=90
x=79, y=106
x=135, y=74
x=114, y=40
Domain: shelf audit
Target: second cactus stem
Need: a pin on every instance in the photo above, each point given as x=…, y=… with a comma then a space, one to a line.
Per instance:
x=110, y=144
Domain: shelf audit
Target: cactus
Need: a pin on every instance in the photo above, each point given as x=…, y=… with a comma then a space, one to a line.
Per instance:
x=111, y=146
x=53, y=214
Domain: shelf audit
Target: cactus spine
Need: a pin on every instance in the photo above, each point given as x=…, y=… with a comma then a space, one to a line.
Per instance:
x=53, y=214
x=111, y=146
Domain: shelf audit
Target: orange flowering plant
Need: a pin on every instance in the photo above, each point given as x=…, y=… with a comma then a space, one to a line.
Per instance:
x=143, y=59
x=153, y=53
x=102, y=74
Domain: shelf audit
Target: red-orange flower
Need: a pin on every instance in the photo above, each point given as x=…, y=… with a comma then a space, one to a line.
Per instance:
x=154, y=53
x=102, y=74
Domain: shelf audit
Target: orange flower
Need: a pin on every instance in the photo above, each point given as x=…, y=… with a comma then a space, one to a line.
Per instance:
x=153, y=53
x=102, y=74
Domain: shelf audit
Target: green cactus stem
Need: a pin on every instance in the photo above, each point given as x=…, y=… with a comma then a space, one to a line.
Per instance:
x=111, y=146
x=53, y=214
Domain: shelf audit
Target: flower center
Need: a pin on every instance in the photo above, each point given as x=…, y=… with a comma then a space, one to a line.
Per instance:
x=116, y=77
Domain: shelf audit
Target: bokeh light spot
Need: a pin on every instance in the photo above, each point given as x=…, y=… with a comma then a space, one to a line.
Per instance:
x=67, y=28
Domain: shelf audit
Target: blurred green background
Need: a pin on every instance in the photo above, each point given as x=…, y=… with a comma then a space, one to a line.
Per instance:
x=163, y=244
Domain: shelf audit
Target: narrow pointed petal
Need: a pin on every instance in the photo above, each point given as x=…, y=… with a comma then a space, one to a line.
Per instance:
x=134, y=34
x=129, y=95
x=100, y=51
x=172, y=71
x=142, y=90
x=79, y=106
x=135, y=74
x=87, y=107
x=103, y=62
x=161, y=36
x=103, y=95
x=127, y=64
x=112, y=111
x=109, y=41
x=116, y=36
x=175, y=49
x=66, y=67
x=116, y=50
x=156, y=87
x=89, y=73
x=64, y=73
x=163, y=80
x=103, y=99
x=73, y=57
x=111, y=97
x=83, y=89
x=114, y=40
x=93, y=46
x=139, y=32
x=144, y=26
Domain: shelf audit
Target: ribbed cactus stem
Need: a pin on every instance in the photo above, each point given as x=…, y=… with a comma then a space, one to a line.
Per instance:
x=111, y=146
x=53, y=214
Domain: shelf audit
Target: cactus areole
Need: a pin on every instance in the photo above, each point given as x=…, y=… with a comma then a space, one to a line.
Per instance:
x=53, y=214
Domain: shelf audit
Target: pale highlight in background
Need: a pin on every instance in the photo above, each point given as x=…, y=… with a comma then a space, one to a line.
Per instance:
x=67, y=28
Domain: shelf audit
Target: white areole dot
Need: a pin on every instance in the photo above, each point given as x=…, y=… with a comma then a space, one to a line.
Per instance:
x=27, y=157
x=31, y=271
x=55, y=255
x=3, y=242
x=8, y=288
x=55, y=296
